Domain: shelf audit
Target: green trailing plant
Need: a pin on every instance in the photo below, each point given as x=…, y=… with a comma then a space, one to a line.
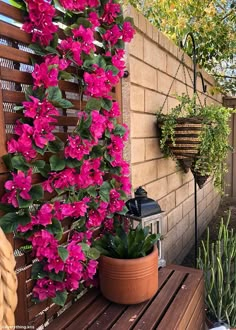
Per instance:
x=126, y=243
x=214, y=138
x=218, y=262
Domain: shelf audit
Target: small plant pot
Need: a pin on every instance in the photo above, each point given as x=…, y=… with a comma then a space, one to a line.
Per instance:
x=210, y=324
x=129, y=281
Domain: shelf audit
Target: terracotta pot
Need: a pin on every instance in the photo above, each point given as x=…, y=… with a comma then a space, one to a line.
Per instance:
x=129, y=281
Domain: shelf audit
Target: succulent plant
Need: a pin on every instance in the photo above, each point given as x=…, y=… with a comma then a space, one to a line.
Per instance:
x=218, y=262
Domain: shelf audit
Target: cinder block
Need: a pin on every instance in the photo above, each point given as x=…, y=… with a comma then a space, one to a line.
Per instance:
x=149, y=29
x=191, y=187
x=136, y=46
x=157, y=189
x=143, y=125
x=154, y=101
x=188, y=205
x=181, y=227
x=152, y=149
x=166, y=166
x=175, y=216
x=167, y=203
x=134, y=14
x=137, y=150
x=174, y=181
x=137, y=98
x=181, y=194
x=143, y=173
x=151, y=53
x=142, y=74
x=142, y=23
x=166, y=82
x=155, y=35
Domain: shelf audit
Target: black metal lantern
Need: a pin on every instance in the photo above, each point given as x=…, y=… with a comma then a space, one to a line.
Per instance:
x=141, y=205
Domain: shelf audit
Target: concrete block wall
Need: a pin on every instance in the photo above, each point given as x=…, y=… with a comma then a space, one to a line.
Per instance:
x=152, y=61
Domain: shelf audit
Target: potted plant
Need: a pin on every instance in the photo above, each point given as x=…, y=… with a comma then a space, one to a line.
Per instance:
x=128, y=266
x=218, y=262
x=197, y=137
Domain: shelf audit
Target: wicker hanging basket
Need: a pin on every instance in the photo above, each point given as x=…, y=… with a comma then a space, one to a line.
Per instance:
x=187, y=141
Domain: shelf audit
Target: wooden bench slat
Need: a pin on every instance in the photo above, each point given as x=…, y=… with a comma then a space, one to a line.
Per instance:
x=90, y=314
x=161, y=302
x=108, y=318
x=62, y=321
x=178, y=314
x=131, y=315
x=197, y=320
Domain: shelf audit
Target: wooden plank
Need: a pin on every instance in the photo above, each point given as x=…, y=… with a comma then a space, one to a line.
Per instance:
x=90, y=314
x=36, y=309
x=21, y=314
x=178, y=314
x=13, y=96
x=161, y=303
x=16, y=76
x=108, y=318
x=131, y=315
x=38, y=321
x=76, y=309
x=16, y=55
x=197, y=320
x=11, y=12
x=9, y=31
x=198, y=296
x=3, y=149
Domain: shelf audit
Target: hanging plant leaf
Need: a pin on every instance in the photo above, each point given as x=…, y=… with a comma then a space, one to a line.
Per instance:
x=63, y=253
x=93, y=253
x=55, y=228
x=56, y=277
x=36, y=192
x=83, y=21
x=119, y=130
x=107, y=104
x=7, y=207
x=56, y=163
x=94, y=104
x=56, y=145
x=19, y=163
x=7, y=161
x=23, y=203
x=60, y=298
x=10, y=221
x=37, y=271
x=38, y=50
x=104, y=191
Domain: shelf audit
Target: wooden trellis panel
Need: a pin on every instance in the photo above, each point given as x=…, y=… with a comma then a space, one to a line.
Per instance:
x=15, y=77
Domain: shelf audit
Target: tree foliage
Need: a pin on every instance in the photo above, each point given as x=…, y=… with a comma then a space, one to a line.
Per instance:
x=211, y=22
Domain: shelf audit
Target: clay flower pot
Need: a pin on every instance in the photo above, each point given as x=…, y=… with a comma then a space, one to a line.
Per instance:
x=129, y=281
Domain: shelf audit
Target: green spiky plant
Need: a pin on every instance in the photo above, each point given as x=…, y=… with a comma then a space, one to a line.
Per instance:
x=126, y=243
x=218, y=262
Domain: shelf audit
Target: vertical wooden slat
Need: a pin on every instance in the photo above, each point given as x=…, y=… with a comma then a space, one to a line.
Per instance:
x=3, y=149
x=21, y=312
x=234, y=159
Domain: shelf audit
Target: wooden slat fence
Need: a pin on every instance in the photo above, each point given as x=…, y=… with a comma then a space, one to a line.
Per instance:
x=15, y=77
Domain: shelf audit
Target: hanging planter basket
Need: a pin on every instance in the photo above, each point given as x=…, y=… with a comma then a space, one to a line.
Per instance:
x=187, y=141
x=200, y=179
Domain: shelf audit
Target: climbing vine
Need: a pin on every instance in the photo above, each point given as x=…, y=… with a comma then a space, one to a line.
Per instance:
x=86, y=178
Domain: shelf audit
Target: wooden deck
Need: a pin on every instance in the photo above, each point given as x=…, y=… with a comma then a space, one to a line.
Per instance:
x=178, y=305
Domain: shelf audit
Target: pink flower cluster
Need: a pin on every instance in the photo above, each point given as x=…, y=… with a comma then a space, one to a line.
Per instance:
x=95, y=146
x=40, y=21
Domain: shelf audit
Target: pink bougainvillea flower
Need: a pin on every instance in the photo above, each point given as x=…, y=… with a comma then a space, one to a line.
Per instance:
x=112, y=35
x=86, y=37
x=45, y=76
x=111, y=11
x=44, y=288
x=77, y=147
x=98, y=126
x=40, y=21
x=127, y=32
x=44, y=245
x=118, y=61
x=43, y=216
x=21, y=184
x=56, y=264
x=90, y=270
